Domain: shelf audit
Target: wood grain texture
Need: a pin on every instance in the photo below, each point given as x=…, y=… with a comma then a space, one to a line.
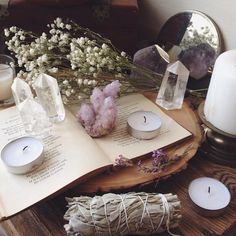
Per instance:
x=122, y=178
x=46, y=218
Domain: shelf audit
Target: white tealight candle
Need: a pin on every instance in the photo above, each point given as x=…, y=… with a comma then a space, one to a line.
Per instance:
x=219, y=108
x=6, y=78
x=210, y=195
x=143, y=124
x=22, y=155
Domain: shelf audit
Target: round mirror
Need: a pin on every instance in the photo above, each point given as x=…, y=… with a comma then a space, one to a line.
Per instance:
x=193, y=38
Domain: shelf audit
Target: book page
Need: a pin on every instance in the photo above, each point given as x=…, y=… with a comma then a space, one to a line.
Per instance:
x=69, y=154
x=120, y=142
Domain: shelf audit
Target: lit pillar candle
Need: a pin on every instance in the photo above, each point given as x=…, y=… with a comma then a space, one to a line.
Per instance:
x=220, y=104
x=143, y=124
x=22, y=155
x=210, y=195
x=6, y=78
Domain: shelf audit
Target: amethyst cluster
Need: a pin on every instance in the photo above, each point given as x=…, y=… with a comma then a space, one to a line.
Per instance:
x=99, y=116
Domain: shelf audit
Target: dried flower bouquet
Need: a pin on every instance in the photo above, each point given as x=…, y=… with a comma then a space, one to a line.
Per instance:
x=79, y=58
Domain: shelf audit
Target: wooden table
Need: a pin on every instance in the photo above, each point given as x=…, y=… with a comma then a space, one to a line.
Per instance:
x=46, y=218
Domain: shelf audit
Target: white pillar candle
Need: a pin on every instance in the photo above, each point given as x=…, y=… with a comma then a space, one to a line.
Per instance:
x=209, y=194
x=220, y=104
x=22, y=155
x=6, y=78
x=143, y=124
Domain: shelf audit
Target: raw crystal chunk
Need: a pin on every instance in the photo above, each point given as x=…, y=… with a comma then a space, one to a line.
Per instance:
x=153, y=58
x=48, y=93
x=20, y=90
x=173, y=86
x=34, y=117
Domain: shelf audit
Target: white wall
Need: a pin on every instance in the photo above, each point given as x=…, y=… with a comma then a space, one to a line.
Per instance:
x=154, y=13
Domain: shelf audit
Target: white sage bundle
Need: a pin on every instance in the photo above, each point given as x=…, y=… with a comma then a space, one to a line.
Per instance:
x=122, y=214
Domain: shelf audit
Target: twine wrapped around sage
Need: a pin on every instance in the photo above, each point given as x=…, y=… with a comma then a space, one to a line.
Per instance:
x=122, y=214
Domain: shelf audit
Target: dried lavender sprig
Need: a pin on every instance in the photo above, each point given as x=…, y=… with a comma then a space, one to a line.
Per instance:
x=122, y=161
x=159, y=163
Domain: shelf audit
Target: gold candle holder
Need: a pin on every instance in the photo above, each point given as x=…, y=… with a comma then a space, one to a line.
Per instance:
x=218, y=145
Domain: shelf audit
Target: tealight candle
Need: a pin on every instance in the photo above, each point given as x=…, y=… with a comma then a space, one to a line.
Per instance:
x=143, y=124
x=210, y=196
x=22, y=155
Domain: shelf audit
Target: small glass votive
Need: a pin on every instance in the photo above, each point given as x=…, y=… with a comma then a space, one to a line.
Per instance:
x=7, y=74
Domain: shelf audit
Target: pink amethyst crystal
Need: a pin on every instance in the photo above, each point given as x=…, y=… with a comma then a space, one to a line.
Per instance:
x=99, y=116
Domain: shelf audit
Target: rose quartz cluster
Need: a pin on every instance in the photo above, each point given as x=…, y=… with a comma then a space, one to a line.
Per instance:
x=99, y=116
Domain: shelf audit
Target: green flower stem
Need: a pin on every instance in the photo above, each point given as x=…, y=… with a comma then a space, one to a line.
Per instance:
x=145, y=77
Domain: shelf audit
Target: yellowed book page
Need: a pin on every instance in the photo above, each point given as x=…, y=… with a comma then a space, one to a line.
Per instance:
x=120, y=142
x=69, y=154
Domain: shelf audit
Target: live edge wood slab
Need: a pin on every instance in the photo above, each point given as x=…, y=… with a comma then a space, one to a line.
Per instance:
x=46, y=218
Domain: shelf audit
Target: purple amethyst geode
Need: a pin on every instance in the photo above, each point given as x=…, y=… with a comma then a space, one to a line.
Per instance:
x=198, y=59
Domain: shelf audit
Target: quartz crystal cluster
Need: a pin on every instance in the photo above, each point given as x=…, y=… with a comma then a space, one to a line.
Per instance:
x=33, y=116
x=37, y=114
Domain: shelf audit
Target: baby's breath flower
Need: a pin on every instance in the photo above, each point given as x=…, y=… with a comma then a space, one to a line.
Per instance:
x=74, y=55
x=68, y=93
x=44, y=58
x=13, y=29
x=85, y=82
x=68, y=26
x=52, y=31
x=80, y=81
x=22, y=37
x=6, y=32
x=123, y=54
x=94, y=82
x=53, y=70
x=65, y=82
x=12, y=64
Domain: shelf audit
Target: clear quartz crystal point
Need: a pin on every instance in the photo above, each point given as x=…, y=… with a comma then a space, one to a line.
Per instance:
x=48, y=93
x=173, y=86
x=20, y=90
x=34, y=118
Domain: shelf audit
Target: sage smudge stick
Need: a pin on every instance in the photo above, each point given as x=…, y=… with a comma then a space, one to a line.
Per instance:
x=122, y=214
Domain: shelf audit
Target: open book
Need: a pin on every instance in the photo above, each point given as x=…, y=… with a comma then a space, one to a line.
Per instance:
x=70, y=153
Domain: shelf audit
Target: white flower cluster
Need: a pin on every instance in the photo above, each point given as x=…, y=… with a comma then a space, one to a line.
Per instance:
x=31, y=55
x=72, y=54
x=93, y=58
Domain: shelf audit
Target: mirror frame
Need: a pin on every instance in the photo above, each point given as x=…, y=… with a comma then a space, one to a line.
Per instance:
x=170, y=35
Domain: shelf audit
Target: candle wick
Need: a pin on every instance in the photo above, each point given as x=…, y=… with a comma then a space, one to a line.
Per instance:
x=209, y=189
x=25, y=148
x=145, y=119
